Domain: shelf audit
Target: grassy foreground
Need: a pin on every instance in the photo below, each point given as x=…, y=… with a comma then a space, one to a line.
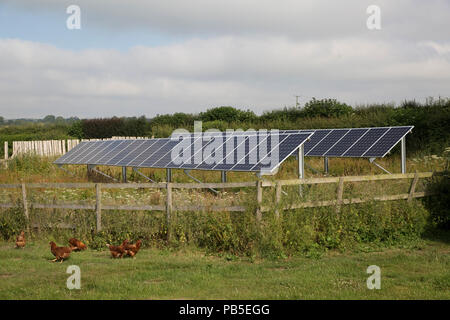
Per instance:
x=190, y=274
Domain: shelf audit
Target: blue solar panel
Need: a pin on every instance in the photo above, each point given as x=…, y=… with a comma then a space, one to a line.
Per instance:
x=96, y=147
x=387, y=142
x=133, y=153
x=315, y=139
x=125, y=149
x=107, y=147
x=71, y=153
x=322, y=147
x=366, y=141
x=142, y=153
x=239, y=151
x=77, y=153
x=162, y=148
x=345, y=143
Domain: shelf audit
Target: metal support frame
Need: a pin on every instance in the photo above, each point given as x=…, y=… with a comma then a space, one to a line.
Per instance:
x=372, y=160
x=403, y=155
x=312, y=169
x=91, y=167
x=186, y=171
x=140, y=173
x=124, y=174
x=301, y=162
x=301, y=166
x=168, y=175
x=325, y=165
x=224, y=176
x=64, y=169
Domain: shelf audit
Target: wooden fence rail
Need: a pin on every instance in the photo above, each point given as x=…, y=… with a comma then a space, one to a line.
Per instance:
x=169, y=207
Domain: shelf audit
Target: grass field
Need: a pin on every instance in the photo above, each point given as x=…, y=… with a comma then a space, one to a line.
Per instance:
x=422, y=272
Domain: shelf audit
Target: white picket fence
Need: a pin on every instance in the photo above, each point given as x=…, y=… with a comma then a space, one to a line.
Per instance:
x=48, y=148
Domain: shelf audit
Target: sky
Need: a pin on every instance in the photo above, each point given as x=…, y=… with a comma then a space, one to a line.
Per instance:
x=133, y=58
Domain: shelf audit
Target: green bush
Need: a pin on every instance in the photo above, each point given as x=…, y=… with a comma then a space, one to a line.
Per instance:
x=309, y=232
x=326, y=108
x=439, y=203
x=12, y=222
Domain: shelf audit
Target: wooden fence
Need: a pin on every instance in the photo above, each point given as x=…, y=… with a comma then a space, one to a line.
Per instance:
x=169, y=206
x=48, y=148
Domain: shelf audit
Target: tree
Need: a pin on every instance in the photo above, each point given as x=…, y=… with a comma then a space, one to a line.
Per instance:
x=227, y=114
x=326, y=108
x=49, y=118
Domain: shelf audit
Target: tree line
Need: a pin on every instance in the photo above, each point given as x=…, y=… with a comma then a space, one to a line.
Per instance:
x=430, y=119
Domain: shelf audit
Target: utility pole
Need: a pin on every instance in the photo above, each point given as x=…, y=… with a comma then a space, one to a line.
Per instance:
x=296, y=101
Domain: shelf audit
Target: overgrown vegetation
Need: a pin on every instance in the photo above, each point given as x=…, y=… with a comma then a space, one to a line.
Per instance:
x=431, y=121
x=306, y=232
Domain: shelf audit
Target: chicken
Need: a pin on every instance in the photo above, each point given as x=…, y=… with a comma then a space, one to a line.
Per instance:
x=132, y=249
x=60, y=253
x=20, y=241
x=117, y=251
x=76, y=244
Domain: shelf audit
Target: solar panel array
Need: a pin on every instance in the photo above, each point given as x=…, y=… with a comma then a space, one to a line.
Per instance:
x=356, y=142
x=250, y=152
x=351, y=142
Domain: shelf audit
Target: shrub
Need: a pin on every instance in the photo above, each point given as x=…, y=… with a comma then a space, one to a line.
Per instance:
x=228, y=114
x=439, y=204
x=326, y=108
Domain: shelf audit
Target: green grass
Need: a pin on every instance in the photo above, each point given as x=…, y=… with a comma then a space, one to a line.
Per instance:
x=421, y=273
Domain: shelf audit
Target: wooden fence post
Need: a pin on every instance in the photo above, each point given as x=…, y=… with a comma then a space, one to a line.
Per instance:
x=6, y=150
x=277, y=199
x=340, y=192
x=168, y=207
x=413, y=187
x=259, y=201
x=24, y=199
x=98, y=206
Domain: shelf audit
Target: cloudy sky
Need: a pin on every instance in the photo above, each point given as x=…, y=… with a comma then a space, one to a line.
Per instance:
x=133, y=58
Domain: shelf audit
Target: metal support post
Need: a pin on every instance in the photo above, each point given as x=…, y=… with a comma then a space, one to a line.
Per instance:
x=403, y=155
x=224, y=176
x=124, y=174
x=301, y=165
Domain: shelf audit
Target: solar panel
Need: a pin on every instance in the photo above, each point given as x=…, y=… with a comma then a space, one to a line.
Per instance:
x=348, y=142
x=354, y=142
x=256, y=151
x=327, y=143
x=345, y=143
x=236, y=151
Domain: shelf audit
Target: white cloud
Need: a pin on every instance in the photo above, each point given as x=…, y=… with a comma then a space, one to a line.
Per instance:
x=247, y=53
x=306, y=19
x=260, y=73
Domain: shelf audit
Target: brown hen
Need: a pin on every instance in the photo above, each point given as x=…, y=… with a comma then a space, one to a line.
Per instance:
x=117, y=251
x=76, y=244
x=20, y=241
x=60, y=253
x=132, y=249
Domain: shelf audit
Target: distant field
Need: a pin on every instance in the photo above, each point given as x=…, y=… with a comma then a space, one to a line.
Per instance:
x=419, y=273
